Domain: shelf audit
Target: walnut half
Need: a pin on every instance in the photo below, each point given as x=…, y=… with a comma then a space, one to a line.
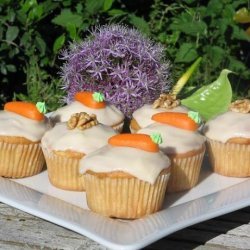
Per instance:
x=82, y=121
x=241, y=106
x=166, y=101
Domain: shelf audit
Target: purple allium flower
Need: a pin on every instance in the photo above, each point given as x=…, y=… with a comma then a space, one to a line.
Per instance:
x=128, y=68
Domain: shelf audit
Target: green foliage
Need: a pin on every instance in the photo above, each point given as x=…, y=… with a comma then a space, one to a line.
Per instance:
x=32, y=33
x=41, y=87
x=190, y=29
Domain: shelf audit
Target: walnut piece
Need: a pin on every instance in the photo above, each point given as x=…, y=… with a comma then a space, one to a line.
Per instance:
x=82, y=121
x=241, y=106
x=166, y=101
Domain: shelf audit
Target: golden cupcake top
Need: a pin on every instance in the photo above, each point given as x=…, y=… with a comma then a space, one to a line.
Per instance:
x=232, y=124
x=23, y=119
x=178, y=130
x=135, y=154
x=81, y=133
x=91, y=103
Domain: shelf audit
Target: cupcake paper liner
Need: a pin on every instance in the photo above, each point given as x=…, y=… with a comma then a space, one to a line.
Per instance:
x=229, y=159
x=20, y=160
x=127, y=198
x=185, y=172
x=63, y=171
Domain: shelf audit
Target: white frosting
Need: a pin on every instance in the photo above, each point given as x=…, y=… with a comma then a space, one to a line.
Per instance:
x=12, y=124
x=228, y=125
x=109, y=115
x=143, y=115
x=144, y=165
x=83, y=141
x=175, y=140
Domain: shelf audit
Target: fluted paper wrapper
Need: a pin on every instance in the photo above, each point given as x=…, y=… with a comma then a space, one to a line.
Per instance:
x=229, y=159
x=63, y=171
x=20, y=160
x=126, y=198
x=185, y=172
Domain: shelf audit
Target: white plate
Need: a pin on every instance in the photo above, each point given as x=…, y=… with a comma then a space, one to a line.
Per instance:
x=213, y=196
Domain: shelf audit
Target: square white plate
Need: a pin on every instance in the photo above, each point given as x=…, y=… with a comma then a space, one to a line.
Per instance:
x=213, y=196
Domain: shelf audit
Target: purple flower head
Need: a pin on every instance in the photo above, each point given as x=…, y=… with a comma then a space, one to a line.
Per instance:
x=128, y=68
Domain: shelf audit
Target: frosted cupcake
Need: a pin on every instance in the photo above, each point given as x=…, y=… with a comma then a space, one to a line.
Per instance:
x=66, y=143
x=126, y=178
x=182, y=144
x=91, y=103
x=22, y=126
x=141, y=118
x=228, y=140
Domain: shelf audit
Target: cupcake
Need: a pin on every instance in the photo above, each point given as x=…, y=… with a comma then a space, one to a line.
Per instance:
x=141, y=118
x=182, y=144
x=21, y=129
x=67, y=142
x=126, y=178
x=228, y=140
x=91, y=103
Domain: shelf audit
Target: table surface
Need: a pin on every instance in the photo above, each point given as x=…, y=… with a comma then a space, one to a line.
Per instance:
x=19, y=230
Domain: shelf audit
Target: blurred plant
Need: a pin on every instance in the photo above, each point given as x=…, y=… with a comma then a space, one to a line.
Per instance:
x=190, y=29
x=119, y=62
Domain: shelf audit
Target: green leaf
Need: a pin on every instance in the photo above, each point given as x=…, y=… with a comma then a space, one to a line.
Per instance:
x=212, y=99
x=187, y=53
x=66, y=18
x=36, y=12
x=3, y=69
x=239, y=34
x=116, y=12
x=71, y=28
x=59, y=42
x=107, y=4
x=28, y=4
x=93, y=6
x=12, y=33
x=214, y=7
x=188, y=24
x=216, y=54
x=11, y=68
x=139, y=23
x=236, y=65
x=40, y=44
x=24, y=39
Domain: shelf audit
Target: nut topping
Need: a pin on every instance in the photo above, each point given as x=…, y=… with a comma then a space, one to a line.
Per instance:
x=241, y=106
x=82, y=121
x=166, y=101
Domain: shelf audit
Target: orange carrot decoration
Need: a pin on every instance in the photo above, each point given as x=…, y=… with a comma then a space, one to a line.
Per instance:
x=87, y=99
x=141, y=141
x=26, y=109
x=179, y=120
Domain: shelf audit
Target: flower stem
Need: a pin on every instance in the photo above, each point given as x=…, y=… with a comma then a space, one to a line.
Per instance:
x=185, y=77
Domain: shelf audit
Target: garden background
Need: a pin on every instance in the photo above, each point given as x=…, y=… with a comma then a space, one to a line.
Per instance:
x=32, y=34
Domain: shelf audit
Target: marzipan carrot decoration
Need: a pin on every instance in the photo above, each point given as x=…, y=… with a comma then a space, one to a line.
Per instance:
x=179, y=120
x=92, y=100
x=26, y=109
x=141, y=141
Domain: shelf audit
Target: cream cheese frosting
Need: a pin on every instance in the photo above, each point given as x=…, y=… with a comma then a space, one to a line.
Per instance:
x=83, y=141
x=12, y=124
x=228, y=125
x=175, y=140
x=109, y=115
x=144, y=165
x=143, y=115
